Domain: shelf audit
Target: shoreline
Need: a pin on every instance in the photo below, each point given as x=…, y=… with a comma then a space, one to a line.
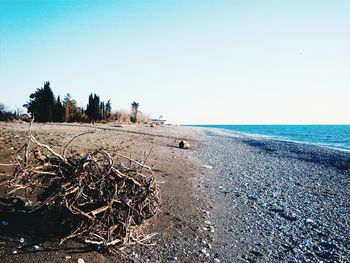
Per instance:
x=269, y=137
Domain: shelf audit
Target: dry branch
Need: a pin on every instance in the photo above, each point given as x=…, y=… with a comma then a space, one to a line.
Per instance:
x=104, y=202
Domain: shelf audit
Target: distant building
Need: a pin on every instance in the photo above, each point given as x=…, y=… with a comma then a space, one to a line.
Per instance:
x=159, y=121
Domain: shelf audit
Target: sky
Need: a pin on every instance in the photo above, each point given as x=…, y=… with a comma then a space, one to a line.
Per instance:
x=192, y=61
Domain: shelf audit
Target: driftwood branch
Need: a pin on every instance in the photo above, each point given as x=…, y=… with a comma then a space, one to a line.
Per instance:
x=103, y=201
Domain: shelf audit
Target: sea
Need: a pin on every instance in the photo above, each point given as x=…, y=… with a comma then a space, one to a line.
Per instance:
x=334, y=136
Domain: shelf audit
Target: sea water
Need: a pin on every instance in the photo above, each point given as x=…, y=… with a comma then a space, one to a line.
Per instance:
x=335, y=136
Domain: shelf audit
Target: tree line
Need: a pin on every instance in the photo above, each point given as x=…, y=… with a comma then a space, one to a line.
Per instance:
x=45, y=107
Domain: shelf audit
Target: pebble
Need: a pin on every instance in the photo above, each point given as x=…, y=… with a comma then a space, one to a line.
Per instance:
x=207, y=222
x=21, y=240
x=80, y=260
x=67, y=257
x=14, y=252
x=216, y=260
x=36, y=247
x=172, y=258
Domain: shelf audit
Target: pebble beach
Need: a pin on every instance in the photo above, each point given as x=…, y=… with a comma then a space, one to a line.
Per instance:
x=277, y=201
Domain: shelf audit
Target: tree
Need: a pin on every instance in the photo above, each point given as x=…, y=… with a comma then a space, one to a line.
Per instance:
x=2, y=107
x=5, y=114
x=66, y=106
x=108, y=109
x=89, y=107
x=41, y=104
x=102, y=110
x=58, y=111
x=71, y=111
x=93, y=109
x=134, y=109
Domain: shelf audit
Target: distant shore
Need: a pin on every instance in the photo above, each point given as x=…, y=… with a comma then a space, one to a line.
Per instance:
x=230, y=198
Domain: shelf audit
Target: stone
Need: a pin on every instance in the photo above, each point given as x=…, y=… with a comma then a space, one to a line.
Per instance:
x=309, y=221
x=80, y=260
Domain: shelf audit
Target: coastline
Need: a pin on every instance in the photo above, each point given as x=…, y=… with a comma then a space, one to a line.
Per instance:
x=230, y=198
x=270, y=137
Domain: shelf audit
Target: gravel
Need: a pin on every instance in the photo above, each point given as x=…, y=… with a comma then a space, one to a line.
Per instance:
x=276, y=201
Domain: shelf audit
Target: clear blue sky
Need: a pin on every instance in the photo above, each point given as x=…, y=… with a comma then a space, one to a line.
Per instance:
x=192, y=61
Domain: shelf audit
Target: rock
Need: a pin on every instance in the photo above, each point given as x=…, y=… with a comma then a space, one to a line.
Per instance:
x=216, y=260
x=257, y=253
x=172, y=258
x=184, y=145
x=80, y=260
x=14, y=252
x=67, y=257
x=21, y=240
x=207, y=222
x=207, y=166
x=36, y=247
x=288, y=215
x=309, y=221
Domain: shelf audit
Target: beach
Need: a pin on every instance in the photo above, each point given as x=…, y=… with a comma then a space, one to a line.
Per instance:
x=230, y=198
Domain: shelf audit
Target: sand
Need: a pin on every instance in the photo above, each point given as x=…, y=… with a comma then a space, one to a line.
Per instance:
x=176, y=171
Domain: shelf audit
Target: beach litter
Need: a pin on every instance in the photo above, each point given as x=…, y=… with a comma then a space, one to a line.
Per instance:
x=104, y=200
x=184, y=145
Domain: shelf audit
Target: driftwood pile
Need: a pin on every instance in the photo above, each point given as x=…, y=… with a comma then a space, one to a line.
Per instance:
x=104, y=202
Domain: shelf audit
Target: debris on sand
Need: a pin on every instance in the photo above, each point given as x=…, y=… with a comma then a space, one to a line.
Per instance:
x=103, y=200
x=184, y=145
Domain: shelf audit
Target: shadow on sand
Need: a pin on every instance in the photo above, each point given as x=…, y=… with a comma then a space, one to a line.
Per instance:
x=34, y=232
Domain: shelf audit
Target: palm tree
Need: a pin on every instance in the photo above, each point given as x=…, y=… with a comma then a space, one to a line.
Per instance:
x=134, y=109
